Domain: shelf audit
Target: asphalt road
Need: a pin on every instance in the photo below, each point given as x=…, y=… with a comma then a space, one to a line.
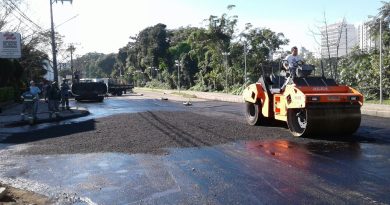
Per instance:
x=143, y=150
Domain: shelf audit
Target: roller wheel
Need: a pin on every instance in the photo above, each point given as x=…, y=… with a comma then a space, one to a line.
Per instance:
x=253, y=113
x=297, y=122
x=324, y=121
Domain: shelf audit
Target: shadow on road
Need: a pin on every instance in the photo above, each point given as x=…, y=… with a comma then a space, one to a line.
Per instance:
x=50, y=132
x=365, y=134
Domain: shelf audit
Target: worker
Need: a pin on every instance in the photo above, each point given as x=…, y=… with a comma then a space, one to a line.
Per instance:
x=64, y=95
x=45, y=89
x=53, y=96
x=28, y=104
x=292, y=60
x=35, y=91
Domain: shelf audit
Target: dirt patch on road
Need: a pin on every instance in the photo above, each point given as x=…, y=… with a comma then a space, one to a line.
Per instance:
x=146, y=132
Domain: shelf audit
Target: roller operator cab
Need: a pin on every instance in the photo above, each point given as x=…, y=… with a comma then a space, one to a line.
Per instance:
x=311, y=105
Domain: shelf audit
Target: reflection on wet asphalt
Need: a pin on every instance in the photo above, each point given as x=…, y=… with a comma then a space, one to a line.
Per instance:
x=106, y=108
x=253, y=172
x=115, y=106
x=286, y=171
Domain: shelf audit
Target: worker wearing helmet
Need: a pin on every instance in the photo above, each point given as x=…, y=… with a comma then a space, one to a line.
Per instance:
x=31, y=95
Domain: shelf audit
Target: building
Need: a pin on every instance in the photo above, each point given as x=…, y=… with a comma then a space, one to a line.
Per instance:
x=339, y=37
x=365, y=39
x=304, y=53
x=280, y=54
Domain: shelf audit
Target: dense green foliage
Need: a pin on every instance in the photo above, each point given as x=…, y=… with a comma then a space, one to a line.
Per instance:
x=361, y=71
x=190, y=56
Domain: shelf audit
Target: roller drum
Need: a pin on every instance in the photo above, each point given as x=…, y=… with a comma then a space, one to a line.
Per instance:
x=327, y=120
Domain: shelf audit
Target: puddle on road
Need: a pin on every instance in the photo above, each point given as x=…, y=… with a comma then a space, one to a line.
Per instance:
x=250, y=172
x=115, y=106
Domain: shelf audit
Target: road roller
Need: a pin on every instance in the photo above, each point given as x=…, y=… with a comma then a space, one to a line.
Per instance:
x=311, y=105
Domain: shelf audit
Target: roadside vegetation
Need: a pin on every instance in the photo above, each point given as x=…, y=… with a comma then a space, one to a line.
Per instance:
x=385, y=102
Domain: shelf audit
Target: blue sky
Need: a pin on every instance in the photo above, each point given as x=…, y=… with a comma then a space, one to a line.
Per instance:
x=105, y=26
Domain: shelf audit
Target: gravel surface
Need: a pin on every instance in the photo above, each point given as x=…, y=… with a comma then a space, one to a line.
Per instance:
x=146, y=132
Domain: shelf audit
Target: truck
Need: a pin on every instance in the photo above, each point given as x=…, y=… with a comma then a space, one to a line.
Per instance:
x=117, y=87
x=89, y=89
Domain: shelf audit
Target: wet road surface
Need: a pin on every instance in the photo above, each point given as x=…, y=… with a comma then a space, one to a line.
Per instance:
x=274, y=168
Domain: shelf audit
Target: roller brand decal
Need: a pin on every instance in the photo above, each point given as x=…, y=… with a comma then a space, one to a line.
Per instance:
x=320, y=89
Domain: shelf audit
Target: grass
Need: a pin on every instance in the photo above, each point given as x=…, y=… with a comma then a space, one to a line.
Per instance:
x=186, y=95
x=150, y=89
x=385, y=102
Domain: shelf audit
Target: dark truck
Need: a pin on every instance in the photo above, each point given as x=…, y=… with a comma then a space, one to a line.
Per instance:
x=89, y=89
x=118, y=87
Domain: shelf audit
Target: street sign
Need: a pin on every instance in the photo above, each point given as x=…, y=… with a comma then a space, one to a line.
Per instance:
x=10, y=45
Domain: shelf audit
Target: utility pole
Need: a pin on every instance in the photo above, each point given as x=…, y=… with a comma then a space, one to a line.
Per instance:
x=151, y=72
x=71, y=49
x=346, y=40
x=53, y=44
x=380, y=60
x=53, y=41
x=225, y=54
x=177, y=62
x=245, y=52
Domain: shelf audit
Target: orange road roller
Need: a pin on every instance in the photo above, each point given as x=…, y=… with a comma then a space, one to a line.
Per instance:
x=311, y=105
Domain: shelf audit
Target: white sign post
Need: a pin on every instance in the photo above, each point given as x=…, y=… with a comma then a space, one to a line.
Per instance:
x=10, y=45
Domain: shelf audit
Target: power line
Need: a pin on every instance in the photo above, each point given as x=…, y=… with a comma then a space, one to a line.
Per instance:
x=15, y=7
x=66, y=21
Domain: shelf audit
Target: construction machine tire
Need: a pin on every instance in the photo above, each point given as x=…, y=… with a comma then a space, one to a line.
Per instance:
x=324, y=121
x=253, y=113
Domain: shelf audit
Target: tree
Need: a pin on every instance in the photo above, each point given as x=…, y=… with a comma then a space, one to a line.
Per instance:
x=374, y=24
x=30, y=66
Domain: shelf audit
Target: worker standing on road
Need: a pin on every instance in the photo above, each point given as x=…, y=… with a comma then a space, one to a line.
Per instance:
x=46, y=86
x=64, y=95
x=28, y=104
x=54, y=97
x=34, y=90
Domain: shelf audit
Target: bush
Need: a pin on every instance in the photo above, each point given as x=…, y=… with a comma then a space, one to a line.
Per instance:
x=237, y=89
x=157, y=84
x=7, y=94
x=200, y=87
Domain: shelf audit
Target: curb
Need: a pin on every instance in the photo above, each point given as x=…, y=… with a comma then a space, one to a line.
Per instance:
x=376, y=113
x=82, y=113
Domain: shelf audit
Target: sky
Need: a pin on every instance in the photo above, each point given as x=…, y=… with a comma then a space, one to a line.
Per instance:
x=105, y=26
